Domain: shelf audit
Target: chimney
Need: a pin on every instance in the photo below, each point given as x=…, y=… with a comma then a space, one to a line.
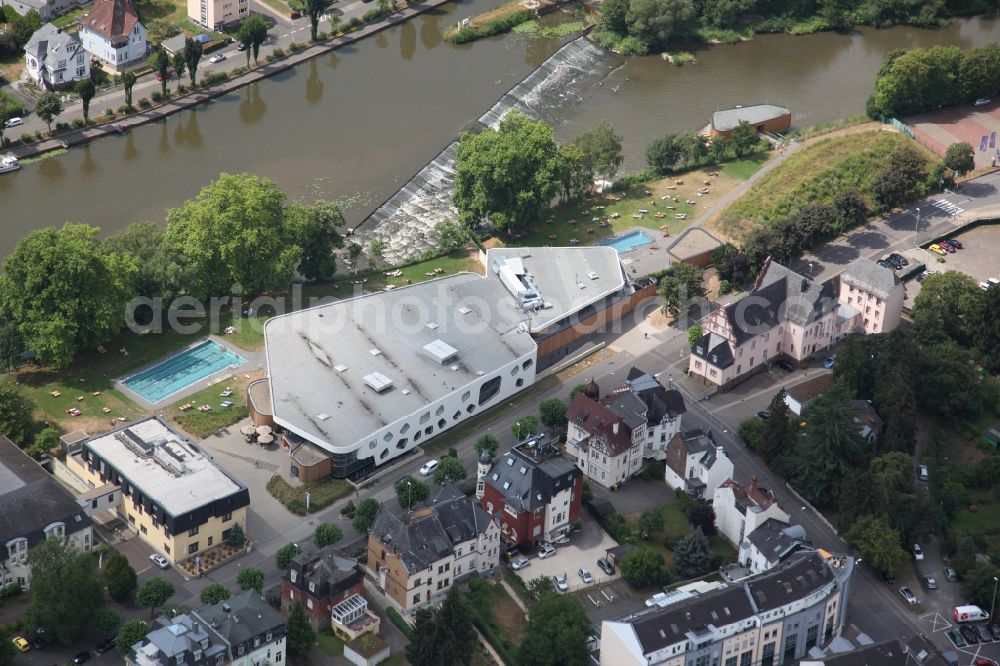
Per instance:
x=753, y=483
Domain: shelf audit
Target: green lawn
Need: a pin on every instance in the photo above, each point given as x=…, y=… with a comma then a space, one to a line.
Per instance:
x=203, y=424
x=676, y=527
x=494, y=606
x=743, y=169
x=70, y=17
x=322, y=493
x=329, y=643
x=984, y=520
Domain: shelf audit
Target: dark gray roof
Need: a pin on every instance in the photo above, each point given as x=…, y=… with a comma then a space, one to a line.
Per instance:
x=527, y=479
x=181, y=635
x=325, y=566
x=628, y=406
x=660, y=403
x=51, y=40
x=715, y=349
x=728, y=119
x=890, y=653
x=31, y=500
x=242, y=617
x=671, y=624
x=869, y=276
x=775, y=538
x=804, y=300
x=801, y=575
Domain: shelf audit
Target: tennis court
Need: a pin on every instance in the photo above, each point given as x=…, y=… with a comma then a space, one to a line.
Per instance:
x=979, y=126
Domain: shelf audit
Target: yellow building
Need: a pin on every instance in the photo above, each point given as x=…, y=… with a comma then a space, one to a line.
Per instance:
x=176, y=497
x=214, y=14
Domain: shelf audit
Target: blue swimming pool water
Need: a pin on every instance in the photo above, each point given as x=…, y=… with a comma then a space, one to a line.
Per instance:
x=182, y=370
x=629, y=241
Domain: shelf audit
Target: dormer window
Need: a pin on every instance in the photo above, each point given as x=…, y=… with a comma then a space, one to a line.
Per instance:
x=293, y=575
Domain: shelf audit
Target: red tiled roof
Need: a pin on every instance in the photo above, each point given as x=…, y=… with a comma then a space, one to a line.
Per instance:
x=762, y=497
x=599, y=421
x=113, y=19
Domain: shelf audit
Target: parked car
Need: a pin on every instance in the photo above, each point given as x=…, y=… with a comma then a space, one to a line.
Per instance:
x=937, y=249
x=922, y=472
x=159, y=561
x=982, y=101
x=21, y=643
x=908, y=596
x=968, y=634
x=985, y=286
x=889, y=578
x=957, y=638
x=957, y=244
x=995, y=631
x=606, y=566
x=240, y=46
x=982, y=633
x=218, y=57
x=947, y=247
x=984, y=661
x=764, y=415
x=519, y=562
x=784, y=365
x=929, y=582
x=13, y=122
x=829, y=361
x=884, y=263
x=546, y=550
x=106, y=645
x=428, y=468
x=950, y=574
x=81, y=657
x=170, y=75
x=585, y=576
x=560, y=582
x=918, y=552
x=899, y=259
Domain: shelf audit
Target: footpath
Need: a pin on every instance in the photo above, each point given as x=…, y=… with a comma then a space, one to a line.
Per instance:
x=207, y=93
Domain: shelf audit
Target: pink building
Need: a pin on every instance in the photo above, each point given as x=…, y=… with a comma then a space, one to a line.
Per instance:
x=875, y=292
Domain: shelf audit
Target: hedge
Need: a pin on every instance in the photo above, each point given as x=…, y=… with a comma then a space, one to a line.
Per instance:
x=398, y=620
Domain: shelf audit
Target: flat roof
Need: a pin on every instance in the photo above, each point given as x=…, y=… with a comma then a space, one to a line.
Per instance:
x=175, y=474
x=728, y=119
x=692, y=243
x=319, y=358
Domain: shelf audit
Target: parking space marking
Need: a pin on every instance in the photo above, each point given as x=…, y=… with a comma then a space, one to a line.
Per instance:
x=938, y=622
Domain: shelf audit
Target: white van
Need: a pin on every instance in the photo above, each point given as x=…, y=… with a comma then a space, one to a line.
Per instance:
x=970, y=614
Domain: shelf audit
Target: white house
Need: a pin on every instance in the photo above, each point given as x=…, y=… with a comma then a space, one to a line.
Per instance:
x=113, y=33
x=769, y=544
x=739, y=510
x=607, y=442
x=55, y=59
x=664, y=410
x=47, y=9
x=696, y=465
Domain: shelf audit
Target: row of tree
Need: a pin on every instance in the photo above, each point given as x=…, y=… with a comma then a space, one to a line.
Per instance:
x=917, y=80
x=681, y=152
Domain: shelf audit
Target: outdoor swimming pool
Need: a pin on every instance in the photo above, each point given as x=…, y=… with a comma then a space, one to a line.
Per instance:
x=182, y=370
x=628, y=241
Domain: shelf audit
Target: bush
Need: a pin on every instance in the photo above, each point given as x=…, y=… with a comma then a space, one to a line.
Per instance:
x=295, y=47
x=109, y=113
x=617, y=528
x=157, y=97
x=144, y=103
x=181, y=89
x=78, y=123
x=279, y=52
x=27, y=137
x=498, y=26
x=239, y=71
x=62, y=127
x=213, y=77
x=348, y=509
x=400, y=623
x=124, y=108
x=354, y=23
x=633, y=46
x=39, y=135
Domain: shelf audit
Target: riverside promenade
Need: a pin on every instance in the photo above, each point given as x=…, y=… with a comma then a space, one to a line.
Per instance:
x=202, y=95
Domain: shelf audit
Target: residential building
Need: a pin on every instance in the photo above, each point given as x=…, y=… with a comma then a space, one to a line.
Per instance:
x=914, y=651
x=176, y=497
x=55, y=59
x=799, y=397
x=367, y=379
x=664, y=410
x=875, y=292
x=740, y=509
x=696, y=464
x=240, y=631
x=415, y=559
x=534, y=491
x=772, y=619
x=785, y=314
x=319, y=580
x=34, y=507
x=113, y=33
x=607, y=444
x=769, y=544
x=47, y=9
x=217, y=14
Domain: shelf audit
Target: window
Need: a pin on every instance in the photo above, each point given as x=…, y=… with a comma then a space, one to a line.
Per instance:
x=401, y=444
x=405, y=428
x=293, y=575
x=416, y=598
x=142, y=528
x=417, y=435
x=193, y=531
x=527, y=364
x=193, y=548
x=466, y=396
x=309, y=605
x=519, y=382
x=488, y=390
x=731, y=661
x=470, y=408
x=457, y=415
x=428, y=430
x=442, y=423
x=425, y=417
x=226, y=517
x=514, y=370
x=439, y=411
x=387, y=437
x=811, y=635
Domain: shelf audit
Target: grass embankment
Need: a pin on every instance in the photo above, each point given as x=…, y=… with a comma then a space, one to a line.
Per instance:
x=675, y=528
x=322, y=493
x=815, y=175
x=494, y=22
x=538, y=29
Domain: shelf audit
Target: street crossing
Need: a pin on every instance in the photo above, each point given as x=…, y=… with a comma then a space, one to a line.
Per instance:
x=947, y=206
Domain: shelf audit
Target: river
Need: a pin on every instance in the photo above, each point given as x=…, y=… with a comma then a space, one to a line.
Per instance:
x=361, y=121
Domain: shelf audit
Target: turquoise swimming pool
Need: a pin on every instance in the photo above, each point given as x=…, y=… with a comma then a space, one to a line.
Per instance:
x=182, y=370
x=628, y=241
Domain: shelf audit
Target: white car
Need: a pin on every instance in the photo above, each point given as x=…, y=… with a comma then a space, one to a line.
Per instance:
x=908, y=596
x=519, y=562
x=546, y=550
x=218, y=57
x=13, y=122
x=918, y=552
x=159, y=561
x=560, y=582
x=428, y=468
x=585, y=576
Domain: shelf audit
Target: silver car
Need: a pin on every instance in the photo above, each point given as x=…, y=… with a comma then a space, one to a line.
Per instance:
x=908, y=596
x=560, y=582
x=519, y=562
x=585, y=576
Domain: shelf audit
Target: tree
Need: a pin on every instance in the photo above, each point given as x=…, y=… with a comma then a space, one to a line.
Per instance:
x=376, y=248
x=524, y=427
x=315, y=9
x=64, y=292
x=694, y=334
x=602, y=150
x=315, y=230
x=299, y=634
x=777, y=437
x=950, y=306
x=364, y=515
x=444, y=636
x=214, y=593
x=702, y=517
x=422, y=649
x=693, y=555
x=327, y=534
x=160, y=60
x=66, y=590
x=235, y=536
x=488, y=442
x=449, y=469
x=732, y=263
x=643, y=567
x=744, y=139
x=978, y=585
x=949, y=384
x=253, y=33
x=128, y=80
x=251, y=578
x=960, y=157
x=131, y=633
x=851, y=209
x=650, y=522
x=48, y=107
x=613, y=13
x=7, y=651
x=576, y=175
x=450, y=236
x=45, y=442
x=680, y=287
x=556, y=634
x=234, y=233
x=179, y=62
x=96, y=70
x=888, y=189
x=86, y=90
x=16, y=410
x=192, y=56
x=410, y=491
x=965, y=556
x=663, y=153
x=283, y=558
x=506, y=176
x=553, y=413
x=658, y=21
x=154, y=593
x=751, y=431
x=989, y=332
x=878, y=544
x=107, y=620
x=119, y=577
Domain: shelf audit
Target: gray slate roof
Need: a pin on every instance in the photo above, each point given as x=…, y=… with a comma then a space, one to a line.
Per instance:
x=660, y=403
x=242, y=617
x=30, y=499
x=775, y=538
x=867, y=275
x=181, y=635
x=528, y=483
x=728, y=119
x=798, y=578
x=49, y=45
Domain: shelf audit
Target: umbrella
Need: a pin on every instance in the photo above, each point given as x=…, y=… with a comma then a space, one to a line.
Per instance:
x=264, y=430
x=248, y=430
x=265, y=439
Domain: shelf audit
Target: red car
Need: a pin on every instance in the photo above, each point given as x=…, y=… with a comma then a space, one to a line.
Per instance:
x=170, y=75
x=983, y=661
x=954, y=243
x=947, y=246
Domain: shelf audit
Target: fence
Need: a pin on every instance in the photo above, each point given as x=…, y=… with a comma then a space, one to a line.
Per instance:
x=898, y=124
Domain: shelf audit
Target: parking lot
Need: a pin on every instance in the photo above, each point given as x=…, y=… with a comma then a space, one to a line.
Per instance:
x=583, y=550
x=977, y=258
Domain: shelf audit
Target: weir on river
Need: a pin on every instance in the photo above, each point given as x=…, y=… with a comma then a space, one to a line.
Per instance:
x=405, y=221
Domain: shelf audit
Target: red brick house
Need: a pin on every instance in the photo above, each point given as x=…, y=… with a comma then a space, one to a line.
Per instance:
x=319, y=580
x=534, y=490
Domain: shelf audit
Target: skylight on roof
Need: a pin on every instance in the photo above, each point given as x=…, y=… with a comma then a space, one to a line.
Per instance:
x=340, y=368
x=378, y=382
x=510, y=461
x=375, y=351
x=523, y=469
x=506, y=485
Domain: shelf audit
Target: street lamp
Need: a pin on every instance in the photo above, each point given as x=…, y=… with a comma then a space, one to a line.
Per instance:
x=916, y=230
x=993, y=603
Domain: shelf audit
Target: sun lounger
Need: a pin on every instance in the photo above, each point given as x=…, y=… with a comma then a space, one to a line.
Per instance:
x=226, y=393
x=79, y=398
x=105, y=410
x=56, y=394
x=226, y=403
x=96, y=393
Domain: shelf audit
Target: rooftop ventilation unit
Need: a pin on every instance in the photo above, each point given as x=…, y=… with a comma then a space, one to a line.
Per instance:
x=465, y=310
x=378, y=382
x=340, y=368
x=375, y=351
x=323, y=417
x=592, y=275
x=440, y=351
x=432, y=325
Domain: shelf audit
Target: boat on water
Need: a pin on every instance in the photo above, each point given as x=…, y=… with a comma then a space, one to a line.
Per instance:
x=8, y=163
x=982, y=101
